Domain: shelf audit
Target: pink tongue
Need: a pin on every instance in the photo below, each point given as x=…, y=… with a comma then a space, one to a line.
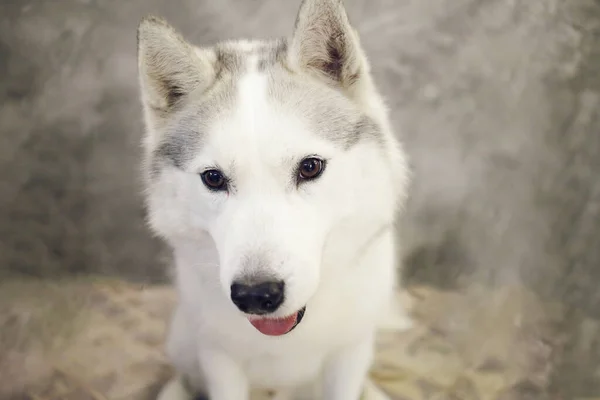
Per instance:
x=274, y=327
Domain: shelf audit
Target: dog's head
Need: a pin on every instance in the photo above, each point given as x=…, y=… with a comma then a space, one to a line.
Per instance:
x=270, y=149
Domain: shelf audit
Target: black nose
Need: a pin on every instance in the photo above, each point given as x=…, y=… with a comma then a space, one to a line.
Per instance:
x=259, y=299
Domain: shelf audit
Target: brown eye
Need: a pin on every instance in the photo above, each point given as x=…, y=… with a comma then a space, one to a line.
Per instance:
x=214, y=179
x=310, y=168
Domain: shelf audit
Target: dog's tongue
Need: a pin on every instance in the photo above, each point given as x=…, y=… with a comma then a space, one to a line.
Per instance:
x=274, y=327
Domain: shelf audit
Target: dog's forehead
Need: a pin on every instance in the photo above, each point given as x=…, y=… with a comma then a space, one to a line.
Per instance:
x=237, y=57
x=258, y=102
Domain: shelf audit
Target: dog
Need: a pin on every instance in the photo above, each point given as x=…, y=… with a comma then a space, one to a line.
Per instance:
x=273, y=173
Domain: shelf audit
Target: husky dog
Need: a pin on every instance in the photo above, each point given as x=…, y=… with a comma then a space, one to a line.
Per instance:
x=273, y=173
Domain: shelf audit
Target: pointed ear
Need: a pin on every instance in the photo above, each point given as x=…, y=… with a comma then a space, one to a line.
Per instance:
x=169, y=67
x=324, y=43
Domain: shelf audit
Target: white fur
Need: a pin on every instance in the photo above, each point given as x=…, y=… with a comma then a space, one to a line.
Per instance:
x=331, y=241
x=345, y=294
x=345, y=291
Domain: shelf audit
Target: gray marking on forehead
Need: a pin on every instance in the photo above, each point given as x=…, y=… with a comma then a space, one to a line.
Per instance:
x=179, y=144
x=367, y=128
x=329, y=113
x=233, y=56
x=347, y=130
x=271, y=54
x=184, y=136
x=229, y=60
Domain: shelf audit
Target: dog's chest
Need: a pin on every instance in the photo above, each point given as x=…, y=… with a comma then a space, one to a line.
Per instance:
x=287, y=369
x=298, y=359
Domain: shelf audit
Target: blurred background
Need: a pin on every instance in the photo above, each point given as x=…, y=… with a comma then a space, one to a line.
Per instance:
x=497, y=102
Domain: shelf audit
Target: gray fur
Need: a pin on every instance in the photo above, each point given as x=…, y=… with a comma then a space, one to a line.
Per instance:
x=178, y=148
x=184, y=136
x=330, y=113
x=274, y=53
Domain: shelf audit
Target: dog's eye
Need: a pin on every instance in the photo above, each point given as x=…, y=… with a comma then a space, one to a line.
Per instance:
x=310, y=168
x=214, y=179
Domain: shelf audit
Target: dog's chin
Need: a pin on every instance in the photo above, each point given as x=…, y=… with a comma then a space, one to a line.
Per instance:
x=277, y=326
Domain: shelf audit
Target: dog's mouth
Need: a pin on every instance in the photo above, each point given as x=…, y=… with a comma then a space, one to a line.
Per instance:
x=277, y=326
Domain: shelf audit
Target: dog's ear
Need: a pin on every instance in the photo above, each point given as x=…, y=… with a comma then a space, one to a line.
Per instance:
x=324, y=43
x=169, y=67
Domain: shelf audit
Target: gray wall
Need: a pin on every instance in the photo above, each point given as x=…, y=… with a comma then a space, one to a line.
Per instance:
x=496, y=100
